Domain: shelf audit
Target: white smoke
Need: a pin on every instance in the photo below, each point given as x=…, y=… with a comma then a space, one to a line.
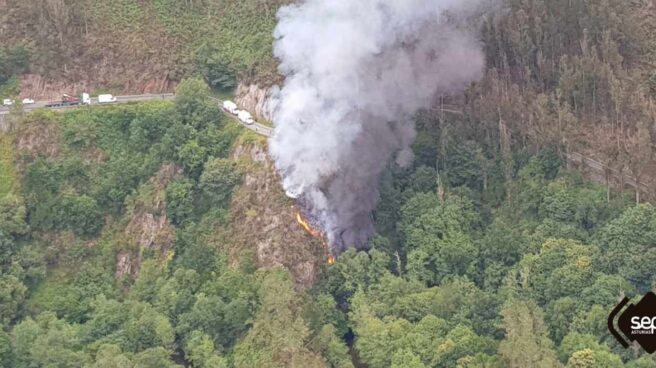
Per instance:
x=355, y=71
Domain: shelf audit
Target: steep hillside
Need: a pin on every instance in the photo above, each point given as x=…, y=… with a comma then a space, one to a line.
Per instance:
x=114, y=200
x=135, y=46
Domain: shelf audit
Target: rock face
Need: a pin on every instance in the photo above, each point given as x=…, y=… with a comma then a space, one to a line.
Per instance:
x=149, y=227
x=264, y=222
x=254, y=99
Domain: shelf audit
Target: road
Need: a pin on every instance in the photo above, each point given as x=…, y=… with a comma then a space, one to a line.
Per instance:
x=4, y=110
x=256, y=127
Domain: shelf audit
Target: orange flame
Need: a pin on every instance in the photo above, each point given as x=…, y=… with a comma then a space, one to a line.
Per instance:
x=307, y=226
x=317, y=234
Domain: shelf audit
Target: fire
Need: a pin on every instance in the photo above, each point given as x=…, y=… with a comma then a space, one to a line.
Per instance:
x=307, y=226
x=317, y=234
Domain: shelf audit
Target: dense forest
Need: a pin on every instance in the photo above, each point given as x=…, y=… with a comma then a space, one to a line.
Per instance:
x=126, y=237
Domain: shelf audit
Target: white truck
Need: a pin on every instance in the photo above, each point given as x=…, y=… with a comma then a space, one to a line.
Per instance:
x=245, y=117
x=106, y=98
x=230, y=107
x=7, y=102
x=68, y=100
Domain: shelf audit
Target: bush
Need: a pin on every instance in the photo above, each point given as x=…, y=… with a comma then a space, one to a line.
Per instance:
x=179, y=200
x=218, y=180
x=79, y=214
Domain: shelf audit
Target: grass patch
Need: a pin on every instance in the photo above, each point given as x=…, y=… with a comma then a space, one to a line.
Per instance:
x=248, y=136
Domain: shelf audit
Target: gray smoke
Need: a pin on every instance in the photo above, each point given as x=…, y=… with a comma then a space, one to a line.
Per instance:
x=355, y=71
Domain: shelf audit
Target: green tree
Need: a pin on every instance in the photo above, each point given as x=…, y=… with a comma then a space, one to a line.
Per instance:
x=219, y=178
x=12, y=297
x=80, y=214
x=145, y=328
x=333, y=348
x=480, y=361
x=627, y=245
x=180, y=200
x=526, y=343
x=559, y=316
x=438, y=237
x=279, y=334
x=6, y=350
x=192, y=156
x=111, y=356
x=194, y=104
x=424, y=180
x=642, y=362
x=587, y=358
x=199, y=350
x=157, y=357
x=12, y=215
x=48, y=342
x=217, y=72
x=406, y=359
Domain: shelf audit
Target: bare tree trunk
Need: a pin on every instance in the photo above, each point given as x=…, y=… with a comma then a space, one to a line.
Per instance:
x=504, y=141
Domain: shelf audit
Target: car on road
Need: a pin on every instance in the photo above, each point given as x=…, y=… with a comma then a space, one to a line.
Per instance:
x=28, y=101
x=7, y=102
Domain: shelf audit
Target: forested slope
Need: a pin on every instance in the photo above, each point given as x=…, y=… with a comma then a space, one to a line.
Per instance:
x=134, y=46
x=576, y=75
x=149, y=236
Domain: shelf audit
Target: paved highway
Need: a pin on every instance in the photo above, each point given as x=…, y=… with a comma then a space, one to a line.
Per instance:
x=256, y=127
x=94, y=101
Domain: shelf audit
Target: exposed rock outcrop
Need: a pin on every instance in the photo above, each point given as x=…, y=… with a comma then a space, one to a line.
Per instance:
x=148, y=227
x=254, y=99
x=264, y=219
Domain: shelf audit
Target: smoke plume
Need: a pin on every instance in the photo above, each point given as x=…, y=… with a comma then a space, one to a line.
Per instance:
x=355, y=71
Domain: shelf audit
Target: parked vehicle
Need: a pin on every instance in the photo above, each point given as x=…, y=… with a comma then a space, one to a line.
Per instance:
x=68, y=100
x=28, y=101
x=245, y=117
x=107, y=98
x=7, y=102
x=230, y=107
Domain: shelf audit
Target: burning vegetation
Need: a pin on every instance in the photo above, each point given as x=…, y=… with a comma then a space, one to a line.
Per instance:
x=316, y=234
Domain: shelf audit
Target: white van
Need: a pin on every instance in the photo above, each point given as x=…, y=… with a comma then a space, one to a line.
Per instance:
x=245, y=117
x=106, y=98
x=230, y=107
